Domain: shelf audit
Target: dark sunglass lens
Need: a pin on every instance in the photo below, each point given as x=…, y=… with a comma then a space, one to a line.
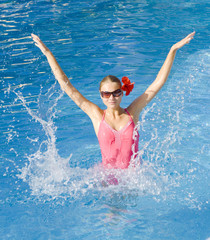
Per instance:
x=105, y=94
x=117, y=93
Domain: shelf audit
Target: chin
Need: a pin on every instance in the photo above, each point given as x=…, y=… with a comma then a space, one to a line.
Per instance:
x=113, y=106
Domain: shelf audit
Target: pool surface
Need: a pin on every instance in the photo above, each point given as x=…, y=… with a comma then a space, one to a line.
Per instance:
x=52, y=184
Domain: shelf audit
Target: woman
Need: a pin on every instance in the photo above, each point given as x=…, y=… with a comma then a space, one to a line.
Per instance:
x=114, y=126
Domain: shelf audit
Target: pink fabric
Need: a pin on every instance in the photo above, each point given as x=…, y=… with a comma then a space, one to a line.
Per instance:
x=116, y=146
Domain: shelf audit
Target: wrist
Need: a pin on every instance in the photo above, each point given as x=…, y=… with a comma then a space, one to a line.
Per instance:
x=47, y=52
x=173, y=49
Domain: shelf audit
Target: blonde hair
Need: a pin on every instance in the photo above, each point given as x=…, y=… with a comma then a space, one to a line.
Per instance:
x=110, y=78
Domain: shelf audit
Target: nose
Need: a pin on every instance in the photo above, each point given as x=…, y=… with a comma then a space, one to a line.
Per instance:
x=111, y=96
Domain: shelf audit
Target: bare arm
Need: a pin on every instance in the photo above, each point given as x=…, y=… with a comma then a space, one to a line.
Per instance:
x=139, y=103
x=88, y=107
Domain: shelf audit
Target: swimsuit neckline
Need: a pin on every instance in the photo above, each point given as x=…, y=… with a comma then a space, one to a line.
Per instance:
x=126, y=125
x=118, y=131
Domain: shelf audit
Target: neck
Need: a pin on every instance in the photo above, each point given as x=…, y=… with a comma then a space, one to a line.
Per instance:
x=115, y=112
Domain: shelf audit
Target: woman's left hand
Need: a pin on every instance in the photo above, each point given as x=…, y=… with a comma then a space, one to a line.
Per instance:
x=184, y=41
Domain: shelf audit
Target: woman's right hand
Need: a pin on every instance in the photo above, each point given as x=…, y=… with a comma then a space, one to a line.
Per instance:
x=40, y=44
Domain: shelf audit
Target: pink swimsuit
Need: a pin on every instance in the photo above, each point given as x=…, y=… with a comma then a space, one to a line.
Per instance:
x=116, y=145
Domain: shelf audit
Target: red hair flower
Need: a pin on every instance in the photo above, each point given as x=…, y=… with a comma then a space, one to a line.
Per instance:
x=127, y=85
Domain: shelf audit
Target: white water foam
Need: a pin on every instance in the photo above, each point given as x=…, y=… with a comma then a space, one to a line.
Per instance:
x=49, y=175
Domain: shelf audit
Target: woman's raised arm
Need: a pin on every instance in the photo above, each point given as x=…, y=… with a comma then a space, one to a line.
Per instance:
x=88, y=107
x=139, y=103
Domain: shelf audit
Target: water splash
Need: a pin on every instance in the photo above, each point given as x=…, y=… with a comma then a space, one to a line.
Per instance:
x=50, y=176
x=162, y=172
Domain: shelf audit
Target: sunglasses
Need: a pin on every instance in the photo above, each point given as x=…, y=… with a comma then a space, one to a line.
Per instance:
x=116, y=93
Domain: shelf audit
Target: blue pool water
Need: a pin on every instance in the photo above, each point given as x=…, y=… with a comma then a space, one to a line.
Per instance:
x=50, y=184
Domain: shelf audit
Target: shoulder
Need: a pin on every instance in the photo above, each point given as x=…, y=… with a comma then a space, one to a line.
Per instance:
x=96, y=118
x=96, y=113
x=134, y=114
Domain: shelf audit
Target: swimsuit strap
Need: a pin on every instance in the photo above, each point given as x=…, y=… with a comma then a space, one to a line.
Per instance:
x=129, y=114
x=104, y=115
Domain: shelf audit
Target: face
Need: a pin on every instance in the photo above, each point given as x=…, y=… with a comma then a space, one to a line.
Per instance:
x=111, y=102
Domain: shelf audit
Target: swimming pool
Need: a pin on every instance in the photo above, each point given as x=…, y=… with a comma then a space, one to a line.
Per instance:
x=50, y=179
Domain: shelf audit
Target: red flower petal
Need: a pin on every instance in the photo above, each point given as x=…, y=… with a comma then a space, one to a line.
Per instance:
x=127, y=86
x=126, y=80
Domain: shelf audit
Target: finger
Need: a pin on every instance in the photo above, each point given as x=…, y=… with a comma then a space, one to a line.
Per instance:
x=37, y=41
x=191, y=35
x=35, y=37
x=190, y=38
